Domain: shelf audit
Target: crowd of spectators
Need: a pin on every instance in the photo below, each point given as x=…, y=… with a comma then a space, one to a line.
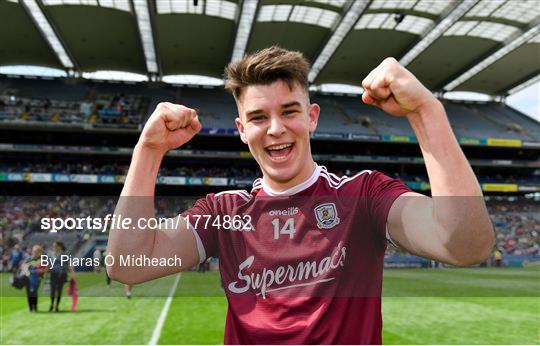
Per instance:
x=114, y=168
x=20, y=221
x=117, y=109
x=521, y=225
x=190, y=170
x=21, y=215
x=65, y=167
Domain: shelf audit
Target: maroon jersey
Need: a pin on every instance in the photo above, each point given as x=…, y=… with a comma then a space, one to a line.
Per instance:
x=303, y=266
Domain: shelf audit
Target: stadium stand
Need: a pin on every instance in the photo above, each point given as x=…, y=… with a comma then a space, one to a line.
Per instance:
x=349, y=114
x=216, y=107
x=71, y=138
x=203, y=170
x=49, y=101
x=517, y=227
x=485, y=120
x=127, y=106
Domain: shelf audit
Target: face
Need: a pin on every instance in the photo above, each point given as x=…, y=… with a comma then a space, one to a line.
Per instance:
x=275, y=122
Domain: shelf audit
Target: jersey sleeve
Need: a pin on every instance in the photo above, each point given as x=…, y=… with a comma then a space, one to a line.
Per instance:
x=205, y=233
x=382, y=192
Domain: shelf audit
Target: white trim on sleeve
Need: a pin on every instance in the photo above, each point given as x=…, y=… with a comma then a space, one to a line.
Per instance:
x=200, y=246
x=390, y=238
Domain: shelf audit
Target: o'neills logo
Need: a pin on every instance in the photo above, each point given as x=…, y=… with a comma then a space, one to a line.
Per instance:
x=285, y=212
x=301, y=274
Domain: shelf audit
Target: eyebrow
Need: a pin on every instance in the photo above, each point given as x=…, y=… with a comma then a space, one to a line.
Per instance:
x=290, y=104
x=285, y=105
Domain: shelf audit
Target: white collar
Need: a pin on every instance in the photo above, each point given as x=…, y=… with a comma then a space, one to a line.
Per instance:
x=295, y=189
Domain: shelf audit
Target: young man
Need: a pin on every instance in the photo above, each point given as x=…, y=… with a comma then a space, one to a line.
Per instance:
x=301, y=254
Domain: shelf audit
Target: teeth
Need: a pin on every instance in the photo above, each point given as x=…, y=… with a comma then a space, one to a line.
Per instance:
x=279, y=147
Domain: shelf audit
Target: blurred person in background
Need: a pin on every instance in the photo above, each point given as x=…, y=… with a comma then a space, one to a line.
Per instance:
x=16, y=257
x=59, y=273
x=497, y=257
x=33, y=269
x=72, y=290
x=5, y=258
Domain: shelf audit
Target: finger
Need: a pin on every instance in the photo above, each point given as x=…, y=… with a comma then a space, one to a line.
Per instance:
x=179, y=117
x=181, y=136
x=185, y=115
x=367, y=99
x=366, y=83
x=171, y=117
x=195, y=125
x=382, y=80
x=171, y=126
x=189, y=115
x=380, y=94
x=379, y=84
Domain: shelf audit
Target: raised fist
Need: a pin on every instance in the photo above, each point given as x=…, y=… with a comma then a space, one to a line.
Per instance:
x=395, y=90
x=169, y=127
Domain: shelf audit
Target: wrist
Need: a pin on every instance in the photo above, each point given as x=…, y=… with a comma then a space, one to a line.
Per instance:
x=431, y=109
x=150, y=156
x=150, y=150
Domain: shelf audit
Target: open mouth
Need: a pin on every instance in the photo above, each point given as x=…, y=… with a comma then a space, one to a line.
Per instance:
x=279, y=152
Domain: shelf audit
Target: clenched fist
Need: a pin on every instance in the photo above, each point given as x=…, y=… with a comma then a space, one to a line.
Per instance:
x=169, y=127
x=395, y=90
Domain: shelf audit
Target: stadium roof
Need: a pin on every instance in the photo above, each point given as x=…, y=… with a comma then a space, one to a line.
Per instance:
x=485, y=46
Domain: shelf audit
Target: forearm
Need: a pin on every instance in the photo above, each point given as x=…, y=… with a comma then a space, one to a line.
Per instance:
x=142, y=173
x=448, y=170
x=136, y=202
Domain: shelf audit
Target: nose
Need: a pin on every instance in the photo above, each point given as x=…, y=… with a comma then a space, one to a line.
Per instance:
x=276, y=128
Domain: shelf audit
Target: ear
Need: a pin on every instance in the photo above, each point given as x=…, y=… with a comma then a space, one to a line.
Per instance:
x=314, y=111
x=241, y=130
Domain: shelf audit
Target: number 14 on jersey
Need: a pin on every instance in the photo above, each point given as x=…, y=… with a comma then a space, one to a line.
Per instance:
x=287, y=228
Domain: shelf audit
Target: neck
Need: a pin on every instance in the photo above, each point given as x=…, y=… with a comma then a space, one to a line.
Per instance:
x=305, y=174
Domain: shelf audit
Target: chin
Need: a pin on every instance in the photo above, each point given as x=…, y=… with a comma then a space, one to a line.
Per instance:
x=282, y=174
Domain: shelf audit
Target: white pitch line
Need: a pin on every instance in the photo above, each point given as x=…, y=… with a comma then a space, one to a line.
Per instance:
x=164, y=311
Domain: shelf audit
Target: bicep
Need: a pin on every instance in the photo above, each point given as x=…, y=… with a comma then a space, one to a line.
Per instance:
x=412, y=226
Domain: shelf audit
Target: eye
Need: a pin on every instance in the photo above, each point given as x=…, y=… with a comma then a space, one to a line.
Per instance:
x=290, y=112
x=257, y=118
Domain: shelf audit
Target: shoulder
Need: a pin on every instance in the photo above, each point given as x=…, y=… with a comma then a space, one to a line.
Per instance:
x=232, y=195
x=366, y=183
x=224, y=201
x=336, y=182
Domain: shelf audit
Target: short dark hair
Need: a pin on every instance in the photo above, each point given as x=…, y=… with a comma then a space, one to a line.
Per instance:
x=265, y=67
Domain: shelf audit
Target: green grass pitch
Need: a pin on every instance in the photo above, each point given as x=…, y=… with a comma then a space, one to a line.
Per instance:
x=420, y=306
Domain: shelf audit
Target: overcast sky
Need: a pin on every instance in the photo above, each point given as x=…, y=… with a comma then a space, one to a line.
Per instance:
x=527, y=101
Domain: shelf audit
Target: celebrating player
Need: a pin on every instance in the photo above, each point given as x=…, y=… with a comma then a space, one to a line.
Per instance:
x=301, y=254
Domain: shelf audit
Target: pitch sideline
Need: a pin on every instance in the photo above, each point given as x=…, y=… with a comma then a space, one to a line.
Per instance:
x=163, y=315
